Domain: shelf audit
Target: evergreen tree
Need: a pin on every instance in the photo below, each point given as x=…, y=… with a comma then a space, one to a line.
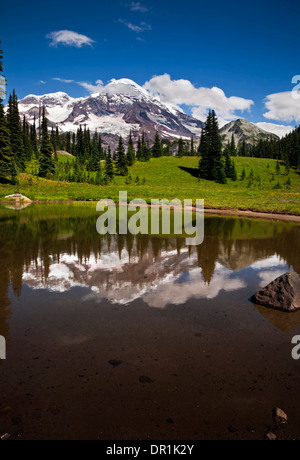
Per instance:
x=57, y=140
x=201, y=148
x=80, y=145
x=2, y=77
x=26, y=140
x=167, y=149
x=146, y=152
x=192, y=151
x=53, y=139
x=86, y=143
x=228, y=162
x=100, y=148
x=109, y=167
x=130, y=151
x=46, y=162
x=233, y=173
x=157, y=149
x=15, y=130
x=73, y=145
x=243, y=149
x=121, y=159
x=6, y=156
x=94, y=158
x=181, y=150
x=139, y=152
x=33, y=139
x=277, y=168
x=99, y=177
x=233, y=150
x=68, y=146
x=211, y=165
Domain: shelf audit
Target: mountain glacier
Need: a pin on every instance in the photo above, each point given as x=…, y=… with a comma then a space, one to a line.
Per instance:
x=122, y=106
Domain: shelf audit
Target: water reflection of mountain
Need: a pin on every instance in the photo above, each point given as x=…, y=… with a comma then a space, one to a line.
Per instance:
x=59, y=253
x=233, y=243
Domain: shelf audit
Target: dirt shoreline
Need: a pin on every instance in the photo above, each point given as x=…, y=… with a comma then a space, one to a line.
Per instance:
x=260, y=214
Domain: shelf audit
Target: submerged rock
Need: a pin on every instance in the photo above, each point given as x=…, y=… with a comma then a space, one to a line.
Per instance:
x=271, y=437
x=280, y=417
x=282, y=294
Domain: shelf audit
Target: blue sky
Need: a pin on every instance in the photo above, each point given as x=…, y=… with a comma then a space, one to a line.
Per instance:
x=248, y=51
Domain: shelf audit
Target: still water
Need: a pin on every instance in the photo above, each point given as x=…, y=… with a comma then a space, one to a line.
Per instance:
x=126, y=337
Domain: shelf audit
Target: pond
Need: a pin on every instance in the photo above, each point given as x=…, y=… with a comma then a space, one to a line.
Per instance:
x=140, y=337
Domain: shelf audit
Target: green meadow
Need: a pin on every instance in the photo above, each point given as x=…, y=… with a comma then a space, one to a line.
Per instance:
x=264, y=187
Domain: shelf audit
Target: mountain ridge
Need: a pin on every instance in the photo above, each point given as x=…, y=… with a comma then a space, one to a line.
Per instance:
x=244, y=130
x=123, y=106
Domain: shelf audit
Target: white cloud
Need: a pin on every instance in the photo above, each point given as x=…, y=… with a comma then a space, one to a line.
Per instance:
x=282, y=106
x=183, y=92
x=268, y=276
x=270, y=262
x=96, y=88
x=280, y=130
x=171, y=292
x=137, y=6
x=42, y=82
x=62, y=80
x=138, y=28
x=69, y=38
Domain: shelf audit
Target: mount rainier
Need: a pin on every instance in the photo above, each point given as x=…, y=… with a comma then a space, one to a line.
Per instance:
x=122, y=106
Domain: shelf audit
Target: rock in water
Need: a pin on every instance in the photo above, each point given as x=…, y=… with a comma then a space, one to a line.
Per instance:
x=271, y=437
x=282, y=294
x=280, y=417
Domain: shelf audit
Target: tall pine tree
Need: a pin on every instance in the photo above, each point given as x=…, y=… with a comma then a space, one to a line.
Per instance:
x=15, y=130
x=211, y=165
x=157, y=149
x=130, y=151
x=33, y=139
x=109, y=166
x=6, y=155
x=26, y=140
x=181, y=149
x=46, y=163
x=121, y=159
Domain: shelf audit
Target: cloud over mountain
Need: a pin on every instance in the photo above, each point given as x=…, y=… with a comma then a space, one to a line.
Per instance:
x=183, y=92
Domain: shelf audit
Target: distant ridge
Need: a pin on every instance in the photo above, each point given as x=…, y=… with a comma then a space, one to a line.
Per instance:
x=243, y=130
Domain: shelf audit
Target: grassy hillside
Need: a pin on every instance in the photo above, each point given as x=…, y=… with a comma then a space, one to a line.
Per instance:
x=262, y=189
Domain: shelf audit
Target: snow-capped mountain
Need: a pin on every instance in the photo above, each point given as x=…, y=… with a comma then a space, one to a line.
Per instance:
x=121, y=106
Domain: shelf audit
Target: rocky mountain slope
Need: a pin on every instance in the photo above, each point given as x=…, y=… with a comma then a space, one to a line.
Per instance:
x=243, y=130
x=122, y=107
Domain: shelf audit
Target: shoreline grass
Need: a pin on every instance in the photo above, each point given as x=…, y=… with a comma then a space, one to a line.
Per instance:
x=263, y=189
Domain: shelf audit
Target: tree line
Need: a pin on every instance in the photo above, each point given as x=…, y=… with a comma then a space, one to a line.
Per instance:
x=286, y=149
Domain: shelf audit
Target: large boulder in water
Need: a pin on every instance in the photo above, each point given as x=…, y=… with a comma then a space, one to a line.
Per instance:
x=282, y=294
